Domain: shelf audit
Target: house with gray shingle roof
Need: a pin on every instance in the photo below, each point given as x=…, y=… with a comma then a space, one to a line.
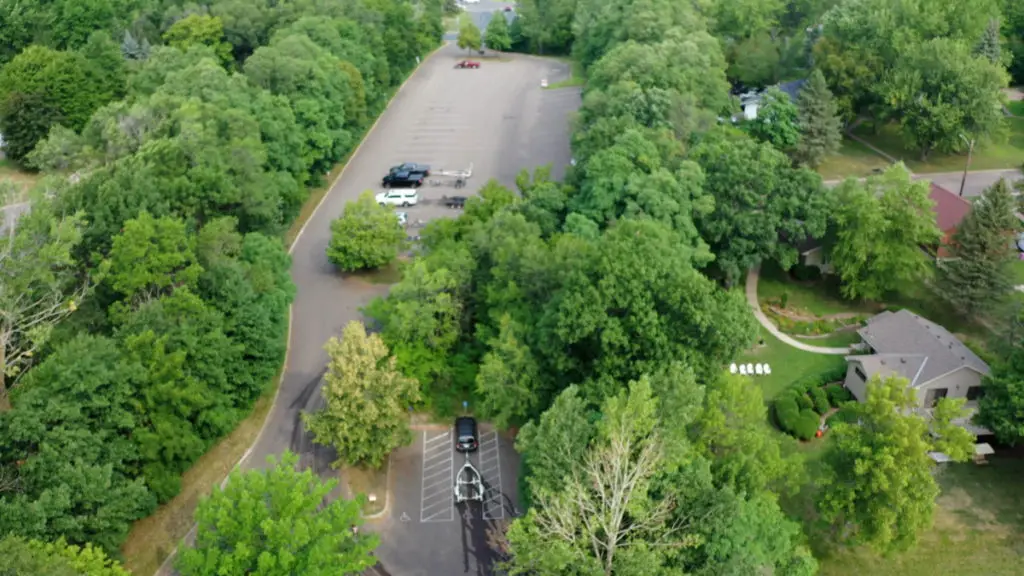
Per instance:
x=935, y=363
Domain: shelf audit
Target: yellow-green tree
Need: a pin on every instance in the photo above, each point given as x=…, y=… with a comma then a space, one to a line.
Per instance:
x=878, y=488
x=200, y=30
x=367, y=399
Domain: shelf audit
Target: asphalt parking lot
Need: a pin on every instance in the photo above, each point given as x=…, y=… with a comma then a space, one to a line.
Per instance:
x=425, y=531
x=499, y=120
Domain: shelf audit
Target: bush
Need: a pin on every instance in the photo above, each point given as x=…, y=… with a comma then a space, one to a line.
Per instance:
x=805, y=273
x=807, y=423
x=820, y=400
x=838, y=394
x=804, y=402
x=846, y=413
x=365, y=236
x=786, y=413
x=784, y=299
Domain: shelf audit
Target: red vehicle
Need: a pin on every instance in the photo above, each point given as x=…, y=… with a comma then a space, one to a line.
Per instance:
x=468, y=64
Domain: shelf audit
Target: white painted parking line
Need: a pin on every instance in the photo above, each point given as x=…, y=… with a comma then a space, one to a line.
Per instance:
x=490, y=474
x=437, y=481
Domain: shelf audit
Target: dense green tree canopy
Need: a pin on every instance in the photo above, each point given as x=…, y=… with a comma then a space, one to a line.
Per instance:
x=366, y=235
x=274, y=522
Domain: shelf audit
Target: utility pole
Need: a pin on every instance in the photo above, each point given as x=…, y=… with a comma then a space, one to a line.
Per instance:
x=967, y=166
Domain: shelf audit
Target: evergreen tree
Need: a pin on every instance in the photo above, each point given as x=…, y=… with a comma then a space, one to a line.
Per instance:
x=978, y=276
x=990, y=44
x=820, y=126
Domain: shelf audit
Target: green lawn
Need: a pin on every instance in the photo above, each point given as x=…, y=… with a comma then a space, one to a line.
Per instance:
x=1007, y=154
x=979, y=528
x=1017, y=269
x=833, y=340
x=788, y=364
x=1017, y=108
x=853, y=159
x=816, y=298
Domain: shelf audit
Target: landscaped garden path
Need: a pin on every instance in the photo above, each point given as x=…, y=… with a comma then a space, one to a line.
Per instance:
x=752, y=277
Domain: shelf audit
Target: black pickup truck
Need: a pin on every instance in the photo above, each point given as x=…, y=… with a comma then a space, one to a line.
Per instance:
x=410, y=167
x=404, y=179
x=454, y=201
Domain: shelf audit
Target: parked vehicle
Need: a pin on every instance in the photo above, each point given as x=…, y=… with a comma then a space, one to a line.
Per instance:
x=454, y=201
x=410, y=167
x=468, y=64
x=466, y=439
x=404, y=179
x=398, y=198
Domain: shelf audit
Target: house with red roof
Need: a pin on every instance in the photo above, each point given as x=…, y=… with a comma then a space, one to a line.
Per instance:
x=950, y=211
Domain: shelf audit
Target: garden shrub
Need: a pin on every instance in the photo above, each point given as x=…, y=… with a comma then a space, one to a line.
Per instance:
x=805, y=273
x=807, y=423
x=838, y=394
x=786, y=413
x=820, y=400
x=804, y=402
x=846, y=413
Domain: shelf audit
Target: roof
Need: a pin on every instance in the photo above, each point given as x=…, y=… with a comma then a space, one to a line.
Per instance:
x=792, y=88
x=950, y=209
x=913, y=347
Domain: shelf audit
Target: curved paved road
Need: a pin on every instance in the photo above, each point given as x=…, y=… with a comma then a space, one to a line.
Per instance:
x=752, y=277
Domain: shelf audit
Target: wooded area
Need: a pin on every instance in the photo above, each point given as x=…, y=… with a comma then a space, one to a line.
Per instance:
x=146, y=294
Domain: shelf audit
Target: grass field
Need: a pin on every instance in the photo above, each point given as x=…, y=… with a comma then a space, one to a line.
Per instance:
x=788, y=364
x=9, y=170
x=1006, y=154
x=853, y=160
x=1017, y=108
x=834, y=340
x=367, y=481
x=820, y=298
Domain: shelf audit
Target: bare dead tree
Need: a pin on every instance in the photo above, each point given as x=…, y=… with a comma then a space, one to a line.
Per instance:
x=39, y=286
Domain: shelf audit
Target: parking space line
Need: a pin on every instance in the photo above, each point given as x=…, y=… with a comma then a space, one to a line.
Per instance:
x=490, y=473
x=437, y=479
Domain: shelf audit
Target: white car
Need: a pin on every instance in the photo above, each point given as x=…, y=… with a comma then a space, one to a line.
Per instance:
x=398, y=197
x=403, y=218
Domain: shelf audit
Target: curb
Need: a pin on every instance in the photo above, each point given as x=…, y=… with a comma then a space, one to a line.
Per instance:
x=291, y=249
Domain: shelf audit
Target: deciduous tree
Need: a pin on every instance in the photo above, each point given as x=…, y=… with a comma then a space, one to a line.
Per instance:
x=199, y=29
x=469, y=35
x=152, y=256
x=275, y=522
x=40, y=285
x=733, y=433
x=507, y=377
x=496, y=37
x=366, y=235
x=818, y=121
x=881, y=226
x=776, y=121
x=940, y=93
x=1001, y=408
x=978, y=275
x=878, y=488
x=367, y=399
x=56, y=559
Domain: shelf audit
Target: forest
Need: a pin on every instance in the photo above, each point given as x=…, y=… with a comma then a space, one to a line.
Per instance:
x=146, y=293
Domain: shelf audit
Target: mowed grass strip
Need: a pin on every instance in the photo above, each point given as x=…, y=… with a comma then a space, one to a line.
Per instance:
x=788, y=364
x=1001, y=155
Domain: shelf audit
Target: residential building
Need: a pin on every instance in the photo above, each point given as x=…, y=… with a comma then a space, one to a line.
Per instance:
x=935, y=363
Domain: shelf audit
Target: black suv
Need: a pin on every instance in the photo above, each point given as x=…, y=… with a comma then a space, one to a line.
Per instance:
x=404, y=179
x=465, y=434
x=410, y=167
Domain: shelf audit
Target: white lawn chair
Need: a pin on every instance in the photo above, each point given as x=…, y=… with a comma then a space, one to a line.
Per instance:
x=743, y=369
x=732, y=368
x=750, y=369
x=767, y=369
x=759, y=369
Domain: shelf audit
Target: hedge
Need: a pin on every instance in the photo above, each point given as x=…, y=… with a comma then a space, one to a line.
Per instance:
x=846, y=413
x=820, y=400
x=807, y=424
x=803, y=401
x=786, y=413
x=838, y=394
